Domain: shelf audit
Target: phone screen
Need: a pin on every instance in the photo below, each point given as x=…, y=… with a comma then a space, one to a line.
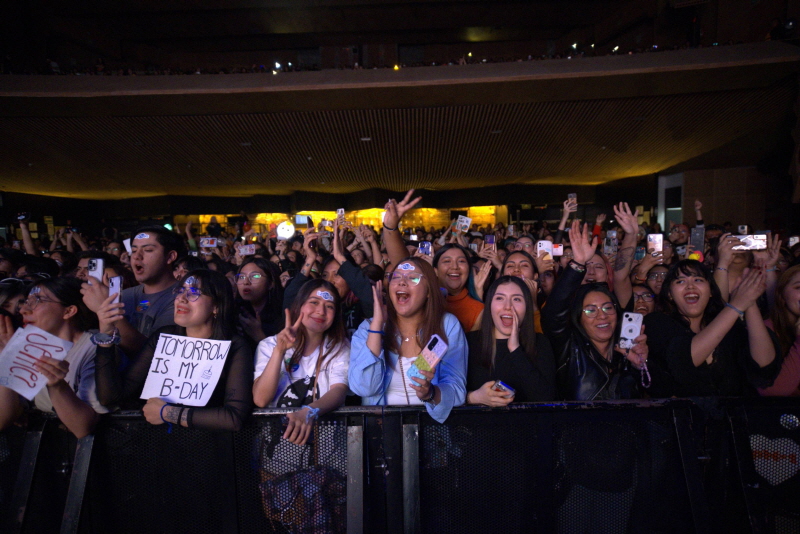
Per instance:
x=698, y=239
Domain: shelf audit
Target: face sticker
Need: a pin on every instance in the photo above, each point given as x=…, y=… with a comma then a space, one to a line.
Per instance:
x=189, y=281
x=324, y=295
x=142, y=236
x=36, y=290
x=406, y=267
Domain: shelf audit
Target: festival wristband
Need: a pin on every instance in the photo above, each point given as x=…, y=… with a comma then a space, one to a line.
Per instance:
x=734, y=308
x=375, y=332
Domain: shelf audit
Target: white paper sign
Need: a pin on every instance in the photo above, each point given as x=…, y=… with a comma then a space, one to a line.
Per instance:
x=463, y=224
x=22, y=351
x=185, y=370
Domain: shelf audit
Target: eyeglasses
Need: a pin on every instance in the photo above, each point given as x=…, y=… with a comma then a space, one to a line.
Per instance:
x=34, y=300
x=657, y=276
x=647, y=297
x=591, y=310
x=254, y=278
x=191, y=293
x=411, y=279
x=112, y=249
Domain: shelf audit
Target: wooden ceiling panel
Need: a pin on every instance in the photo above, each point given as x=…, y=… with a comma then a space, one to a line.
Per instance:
x=504, y=138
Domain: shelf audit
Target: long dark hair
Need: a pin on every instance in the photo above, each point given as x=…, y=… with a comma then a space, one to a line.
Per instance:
x=527, y=257
x=690, y=268
x=274, y=306
x=782, y=321
x=470, y=278
x=432, y=316
x=333, y=337
x=216, y=285
x=576, y=312
x=527, y=333
x=68, y=292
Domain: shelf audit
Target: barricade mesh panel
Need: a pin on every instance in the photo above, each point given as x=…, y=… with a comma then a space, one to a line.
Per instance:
x=284, y=487
x=771, y=441
x=144, y=479
x=11, y=443
x=520, y=472
x=50, y=480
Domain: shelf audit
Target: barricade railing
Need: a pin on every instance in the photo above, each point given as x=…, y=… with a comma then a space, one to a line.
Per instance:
x=678, y=465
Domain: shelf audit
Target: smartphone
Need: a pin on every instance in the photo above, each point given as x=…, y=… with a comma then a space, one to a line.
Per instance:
x=546, y=246
x=23, y=216
x=512, y=229
x=743, y=229
x=794, y=240
x=558, y=249
x=247, y=250
x=698, y=239
x=640, y=252
x=193, y=253
x=655, y=242
x=499, y=385
x=309, y=222
x=611, y=233
x=489, y=239
x=425, y=247
x=96, y=268
x=631, y=328
x=751, y=242
x=573, y=197
x=473, y=247
x=208, y=242
x=430, y=357
x=610, y=246
x=115, y=287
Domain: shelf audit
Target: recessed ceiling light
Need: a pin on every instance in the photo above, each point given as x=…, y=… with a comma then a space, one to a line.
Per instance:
x=366, y=139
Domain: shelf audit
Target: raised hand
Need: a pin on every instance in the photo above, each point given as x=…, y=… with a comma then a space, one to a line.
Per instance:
x=378, y=307
x=543, y=264
x=629, y=221
x=310, y=237
x=287, y=337
x=725, y=250
x=769, y=258
x=570, y=206
x=395, y=210
x=583, y=243
x=752, y=286
x=600, y=219
x=513, y=339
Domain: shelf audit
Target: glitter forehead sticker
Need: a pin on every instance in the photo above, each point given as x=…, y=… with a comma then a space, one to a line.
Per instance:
x=189, y=281
x=406, y=267
x=142, y=236
x=36, y=290
x=325, y=295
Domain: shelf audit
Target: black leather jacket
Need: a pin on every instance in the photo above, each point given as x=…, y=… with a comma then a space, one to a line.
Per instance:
x=581, y=372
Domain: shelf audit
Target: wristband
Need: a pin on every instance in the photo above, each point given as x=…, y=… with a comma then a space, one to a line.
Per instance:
x=161, y=414
x=431, y=396
x=375, y=331
x=722, y=269
x=580, y=267
x=100, y=338
x=734, y=308
x=312, y=413
x=390, y=229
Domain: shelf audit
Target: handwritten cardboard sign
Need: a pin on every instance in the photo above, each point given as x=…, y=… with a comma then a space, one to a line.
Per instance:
x=185, y=370
x=22, y=351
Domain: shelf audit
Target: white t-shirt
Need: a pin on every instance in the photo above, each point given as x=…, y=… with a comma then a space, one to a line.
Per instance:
x=80, y=377
x=294, y=388
x=400, y=385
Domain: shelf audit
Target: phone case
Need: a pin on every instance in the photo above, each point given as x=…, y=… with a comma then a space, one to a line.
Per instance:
x=499, y=385
x=115, y=287
x=631, y=328
x=96, y=268
x=657, y=242
x=429, y=358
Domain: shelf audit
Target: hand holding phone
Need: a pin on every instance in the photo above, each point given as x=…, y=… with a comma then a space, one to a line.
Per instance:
x=631, y=328
x=431, y=355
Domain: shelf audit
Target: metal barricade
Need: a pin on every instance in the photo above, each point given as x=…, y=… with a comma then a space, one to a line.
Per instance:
x=627, y=466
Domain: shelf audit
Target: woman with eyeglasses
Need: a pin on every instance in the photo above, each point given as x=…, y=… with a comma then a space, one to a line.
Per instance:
x=204, y=309
x=384, y=349
x=644, y=300
x=259, y=299
x=56, y=306
x=584, y=332
x=701, y=345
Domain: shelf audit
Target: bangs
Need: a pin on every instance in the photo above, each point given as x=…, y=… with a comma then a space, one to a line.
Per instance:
x=691, y=270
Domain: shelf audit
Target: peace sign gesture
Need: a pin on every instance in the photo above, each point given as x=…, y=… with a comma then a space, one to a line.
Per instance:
x=287, y=337
x=395, y=210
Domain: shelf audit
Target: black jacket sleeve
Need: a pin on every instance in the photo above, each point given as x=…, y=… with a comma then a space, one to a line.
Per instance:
x=359, y=284
x=555, y=315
